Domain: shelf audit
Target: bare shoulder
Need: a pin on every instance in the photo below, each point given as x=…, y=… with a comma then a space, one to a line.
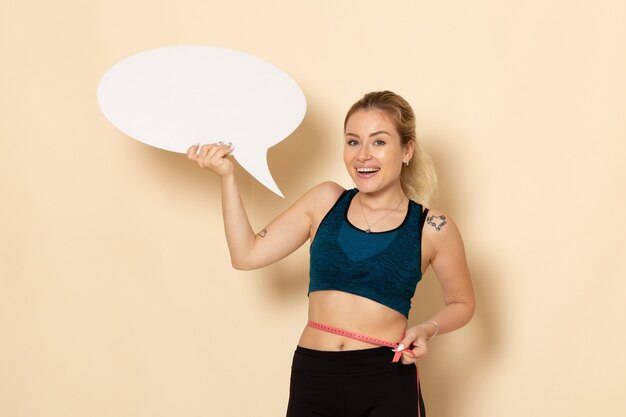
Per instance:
x=322, y=197
x=438, y=221
x=311, y=202
x=439, y=225
x=440, y=232
x=318, y=201
x=327, y=190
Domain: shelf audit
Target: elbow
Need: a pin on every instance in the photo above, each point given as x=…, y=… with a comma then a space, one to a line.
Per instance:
x=468, y=303
x=464, y=311
x=470, y=310
x=241, y=265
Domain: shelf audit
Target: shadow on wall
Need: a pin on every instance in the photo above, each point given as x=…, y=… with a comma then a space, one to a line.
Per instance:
x=451, y=366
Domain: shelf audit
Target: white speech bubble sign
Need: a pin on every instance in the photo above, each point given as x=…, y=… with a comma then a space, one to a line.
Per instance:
x=176, y=96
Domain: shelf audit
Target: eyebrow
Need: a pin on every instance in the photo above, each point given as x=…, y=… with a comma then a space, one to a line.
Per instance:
x=373, y=134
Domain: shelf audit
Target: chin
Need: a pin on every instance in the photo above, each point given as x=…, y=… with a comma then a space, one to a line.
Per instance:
x=365, y=187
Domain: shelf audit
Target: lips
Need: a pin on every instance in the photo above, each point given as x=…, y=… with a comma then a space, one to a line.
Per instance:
x=366, y=172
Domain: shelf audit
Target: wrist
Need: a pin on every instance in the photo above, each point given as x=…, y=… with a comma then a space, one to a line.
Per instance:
x=228, y=179
x=431, y=328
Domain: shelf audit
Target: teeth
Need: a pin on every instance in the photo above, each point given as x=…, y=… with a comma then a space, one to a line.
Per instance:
x=367, y=170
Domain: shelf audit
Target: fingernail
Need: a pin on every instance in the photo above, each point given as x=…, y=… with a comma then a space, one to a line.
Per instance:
x=400, y=347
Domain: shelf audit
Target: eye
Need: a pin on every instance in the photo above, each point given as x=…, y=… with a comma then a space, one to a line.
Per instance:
x=379, y=142
x=352, y=142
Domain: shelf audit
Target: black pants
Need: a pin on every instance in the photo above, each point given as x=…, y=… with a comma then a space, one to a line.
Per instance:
x=355, y=383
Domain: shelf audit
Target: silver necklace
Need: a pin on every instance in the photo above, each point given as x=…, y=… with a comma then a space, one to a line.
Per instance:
x=369, y=226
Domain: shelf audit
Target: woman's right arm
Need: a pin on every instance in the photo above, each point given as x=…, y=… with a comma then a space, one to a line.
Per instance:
x=282, y=236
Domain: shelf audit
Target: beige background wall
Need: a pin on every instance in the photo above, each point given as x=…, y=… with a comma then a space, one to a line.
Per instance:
x=116, y=294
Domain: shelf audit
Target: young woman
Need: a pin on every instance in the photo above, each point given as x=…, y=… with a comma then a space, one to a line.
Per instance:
x=369, y=248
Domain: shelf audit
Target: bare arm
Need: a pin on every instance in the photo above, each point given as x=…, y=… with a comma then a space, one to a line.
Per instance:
x=282, y=236
x=446, y=253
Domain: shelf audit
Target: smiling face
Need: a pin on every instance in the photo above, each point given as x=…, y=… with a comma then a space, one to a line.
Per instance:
x=373, y=151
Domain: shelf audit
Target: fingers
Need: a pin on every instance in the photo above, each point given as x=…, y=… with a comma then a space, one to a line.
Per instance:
x=410, y=356
x=209, y=155
x=192, y=152
x=413, y=347
x=409, y=339
x=215, y=152
x=202, y=154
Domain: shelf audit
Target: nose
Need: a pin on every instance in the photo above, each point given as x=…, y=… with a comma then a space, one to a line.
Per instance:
x=363, y=154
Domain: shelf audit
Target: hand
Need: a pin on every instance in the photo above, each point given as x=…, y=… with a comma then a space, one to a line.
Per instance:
x=213, y=156
x=415, y=336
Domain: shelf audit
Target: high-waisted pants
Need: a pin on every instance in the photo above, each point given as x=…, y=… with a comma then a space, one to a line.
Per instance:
x=354, y=383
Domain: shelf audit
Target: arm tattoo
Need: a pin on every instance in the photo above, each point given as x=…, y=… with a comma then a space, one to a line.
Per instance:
x=437, y=225
x=262, y=233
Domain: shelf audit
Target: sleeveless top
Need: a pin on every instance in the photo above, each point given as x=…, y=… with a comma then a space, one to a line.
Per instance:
x=382, y=266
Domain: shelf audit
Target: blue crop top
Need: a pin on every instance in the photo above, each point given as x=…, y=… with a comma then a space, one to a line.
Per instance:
x=382, y=266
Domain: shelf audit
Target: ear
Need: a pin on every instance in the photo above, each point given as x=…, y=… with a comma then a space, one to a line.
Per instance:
x=409, y=148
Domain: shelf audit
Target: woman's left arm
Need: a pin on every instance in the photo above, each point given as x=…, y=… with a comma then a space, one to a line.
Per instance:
x=444, y=251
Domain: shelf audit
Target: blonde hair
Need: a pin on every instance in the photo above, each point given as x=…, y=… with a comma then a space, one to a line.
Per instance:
x=418, y=179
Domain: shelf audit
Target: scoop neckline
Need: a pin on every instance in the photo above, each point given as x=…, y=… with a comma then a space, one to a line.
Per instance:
x=354, y=192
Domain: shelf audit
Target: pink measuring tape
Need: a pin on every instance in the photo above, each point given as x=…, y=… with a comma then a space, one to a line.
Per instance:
x=373, y=341
x=362, y=338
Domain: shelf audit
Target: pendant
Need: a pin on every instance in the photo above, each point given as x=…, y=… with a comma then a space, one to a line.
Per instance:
x=367, y=230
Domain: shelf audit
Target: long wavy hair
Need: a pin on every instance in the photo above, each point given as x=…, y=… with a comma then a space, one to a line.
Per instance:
x=418, y=179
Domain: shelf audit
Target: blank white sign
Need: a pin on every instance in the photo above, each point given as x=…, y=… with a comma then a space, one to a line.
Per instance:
x=177, y=96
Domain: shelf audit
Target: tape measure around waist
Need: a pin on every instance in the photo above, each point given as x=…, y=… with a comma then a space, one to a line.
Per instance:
x=362, y=338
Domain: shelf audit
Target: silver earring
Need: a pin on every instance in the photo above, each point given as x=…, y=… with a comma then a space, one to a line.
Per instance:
x=406, y=163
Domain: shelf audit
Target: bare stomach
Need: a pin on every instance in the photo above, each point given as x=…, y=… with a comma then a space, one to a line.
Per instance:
x=353, y=313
